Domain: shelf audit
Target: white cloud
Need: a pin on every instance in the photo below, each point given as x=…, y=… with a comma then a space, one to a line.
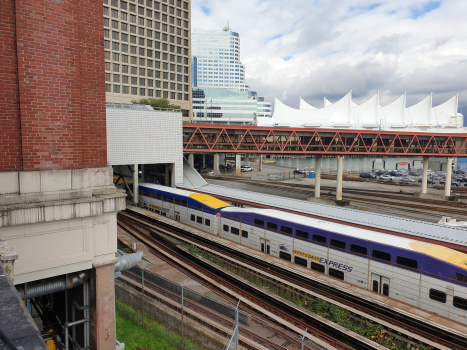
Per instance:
x=320, y=48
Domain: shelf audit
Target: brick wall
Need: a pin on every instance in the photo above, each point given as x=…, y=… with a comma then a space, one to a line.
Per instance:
x=60, y=75
x=10, y=130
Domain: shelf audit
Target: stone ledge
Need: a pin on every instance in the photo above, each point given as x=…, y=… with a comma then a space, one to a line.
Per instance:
x=30, y=182
x=31, y=213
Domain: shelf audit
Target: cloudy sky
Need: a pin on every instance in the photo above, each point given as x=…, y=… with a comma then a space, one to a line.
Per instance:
x=325, y=48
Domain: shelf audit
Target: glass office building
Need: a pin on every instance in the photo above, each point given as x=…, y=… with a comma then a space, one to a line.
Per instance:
x=220, y=94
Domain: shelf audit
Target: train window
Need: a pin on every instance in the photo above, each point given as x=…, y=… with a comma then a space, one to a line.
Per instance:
x=413, y=264
x=300, y=261
x=460, y=303
x=171, y=200
x=338, y=244
x=177, y=201
x=158, y=196
x=285, y=256
x=234, y=230
x=245, y=234
x=301, y=234
x=185, y=203
x=336, y=273
x=286, y=229
x=319, y=239
x=259, y=222
x=164, y=198
x=271, y=225
x=199, y=219
x=193, y=217
x=377, y=254
x=317, y=267
x=358, y=249
x=140, y=192
x=438, y=296
x=461, y=277
x=207, y=222
x=226, y=228
x=200, y=206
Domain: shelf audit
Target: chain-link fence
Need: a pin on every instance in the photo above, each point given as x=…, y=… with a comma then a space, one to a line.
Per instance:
x=197, y=321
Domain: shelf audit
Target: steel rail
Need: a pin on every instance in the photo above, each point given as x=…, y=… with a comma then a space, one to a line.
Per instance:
x=435, y=334
x=347, y=339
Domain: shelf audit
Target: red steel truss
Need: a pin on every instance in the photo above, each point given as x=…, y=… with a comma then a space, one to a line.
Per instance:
x=211, y=138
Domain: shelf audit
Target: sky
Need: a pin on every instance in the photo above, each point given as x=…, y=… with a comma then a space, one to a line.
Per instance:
x=325, y=48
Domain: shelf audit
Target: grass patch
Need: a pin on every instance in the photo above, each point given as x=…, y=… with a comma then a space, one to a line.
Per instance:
x=153, y=336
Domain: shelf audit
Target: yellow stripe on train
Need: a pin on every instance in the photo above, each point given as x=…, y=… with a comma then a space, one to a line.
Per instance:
x=209, y=201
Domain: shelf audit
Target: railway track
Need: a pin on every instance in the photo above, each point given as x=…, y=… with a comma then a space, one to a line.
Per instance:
x=413, y=325
x=213, y=320
x=390, y=200
x=332, y=334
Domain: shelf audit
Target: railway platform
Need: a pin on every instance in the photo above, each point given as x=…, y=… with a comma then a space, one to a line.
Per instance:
x=378, y=299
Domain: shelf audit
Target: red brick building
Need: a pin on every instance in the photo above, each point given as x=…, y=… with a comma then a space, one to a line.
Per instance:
x=53, y=92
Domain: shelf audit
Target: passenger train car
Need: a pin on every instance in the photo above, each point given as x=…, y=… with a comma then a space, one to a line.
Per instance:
x=427, y=276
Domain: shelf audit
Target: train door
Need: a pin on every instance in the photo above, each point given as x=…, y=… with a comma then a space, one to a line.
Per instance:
x=177, y=216
x=380, y=284
x=265, y=245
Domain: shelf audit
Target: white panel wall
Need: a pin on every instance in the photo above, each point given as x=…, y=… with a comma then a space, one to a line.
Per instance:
x=145, y=137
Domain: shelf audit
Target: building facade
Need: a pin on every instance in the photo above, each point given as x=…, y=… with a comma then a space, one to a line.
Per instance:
x=220, y=93
x=228, y=106
x=147, y=51
x=216, y=59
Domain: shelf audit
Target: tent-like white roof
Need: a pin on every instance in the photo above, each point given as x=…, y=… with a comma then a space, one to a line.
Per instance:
x=347, y=114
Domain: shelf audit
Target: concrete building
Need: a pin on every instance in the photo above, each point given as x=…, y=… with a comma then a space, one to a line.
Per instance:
x=147, y=51
x=228, y=106
x=58, y=204
x=220, y=93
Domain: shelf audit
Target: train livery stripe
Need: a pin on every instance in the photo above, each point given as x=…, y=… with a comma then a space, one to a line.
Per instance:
x=209, y=201
x=442, y=253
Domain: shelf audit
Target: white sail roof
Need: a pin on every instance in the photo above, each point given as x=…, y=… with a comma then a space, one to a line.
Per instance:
x=304, y=105
x=419, y=113
x=370, y=114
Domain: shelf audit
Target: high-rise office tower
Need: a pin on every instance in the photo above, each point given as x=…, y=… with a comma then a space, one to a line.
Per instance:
x=147, y=51
x=216, y=59
x=220, y=94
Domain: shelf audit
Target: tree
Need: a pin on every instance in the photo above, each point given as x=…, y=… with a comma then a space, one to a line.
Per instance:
x=156, y=103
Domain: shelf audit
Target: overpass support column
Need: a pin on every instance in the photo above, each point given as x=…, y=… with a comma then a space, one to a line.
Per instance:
x=318, y=177
x=425, y=175
x=135, y=184
x=238, y=163
x=216, y=163
x=103, y=330
x=340, y=165
x=447, y=186
x=260, y=165
x=204, y=161
x=191, y=159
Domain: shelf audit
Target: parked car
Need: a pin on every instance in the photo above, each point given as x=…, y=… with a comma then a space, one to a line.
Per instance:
x=381, y=172
x=414, y=173
x=208, y=171
x=453, y=182
x=225, y=167
x=461, y=171
x=386, y=177
x=463, y=179
x=395, y=173
x=246, y=168
x=429, y=181
x=367, y=176
x=407, y=180
x=299, y=171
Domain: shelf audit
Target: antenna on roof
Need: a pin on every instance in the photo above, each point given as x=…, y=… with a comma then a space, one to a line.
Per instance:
x=226, y=27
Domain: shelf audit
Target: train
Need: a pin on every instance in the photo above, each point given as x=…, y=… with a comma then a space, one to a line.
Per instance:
x=427, y=276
